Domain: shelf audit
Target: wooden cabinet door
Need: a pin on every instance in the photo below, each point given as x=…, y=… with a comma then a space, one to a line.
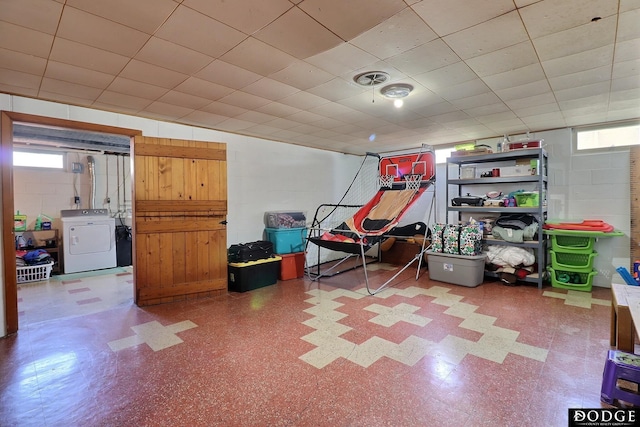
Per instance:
x=179, y=219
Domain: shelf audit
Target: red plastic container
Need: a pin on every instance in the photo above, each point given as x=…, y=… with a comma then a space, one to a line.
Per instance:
x=292, y=266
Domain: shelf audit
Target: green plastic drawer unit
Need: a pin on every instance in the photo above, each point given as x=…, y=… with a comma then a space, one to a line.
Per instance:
x=573, y=244
x=572, y=280
x=569, y=261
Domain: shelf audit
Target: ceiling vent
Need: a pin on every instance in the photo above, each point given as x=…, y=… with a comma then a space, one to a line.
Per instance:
x=371, y=78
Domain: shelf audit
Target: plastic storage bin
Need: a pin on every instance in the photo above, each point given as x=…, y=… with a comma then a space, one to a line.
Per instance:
x=287, y=240
x=573, y=244
x=576, y=281
x=34, y=273
x=464, y=270
x=292, y=266
x=577, y=263
x=245, y=276
x=527, y=200
x=285, y=219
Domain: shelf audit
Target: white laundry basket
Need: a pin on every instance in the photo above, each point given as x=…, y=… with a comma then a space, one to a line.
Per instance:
x=34, y=273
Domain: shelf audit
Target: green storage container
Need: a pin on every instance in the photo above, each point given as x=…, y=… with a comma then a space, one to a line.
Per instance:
x=573, y=262
x=573, y=244
x=572, y=280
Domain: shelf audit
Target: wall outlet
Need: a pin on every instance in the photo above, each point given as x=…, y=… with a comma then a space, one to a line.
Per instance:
x=77, y=167
x=76, y=200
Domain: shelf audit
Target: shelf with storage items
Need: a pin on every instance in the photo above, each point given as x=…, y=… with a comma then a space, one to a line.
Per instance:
x=465, y=176
x=44, y=239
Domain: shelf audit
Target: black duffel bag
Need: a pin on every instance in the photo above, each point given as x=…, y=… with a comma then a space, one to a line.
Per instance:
x=253, y=251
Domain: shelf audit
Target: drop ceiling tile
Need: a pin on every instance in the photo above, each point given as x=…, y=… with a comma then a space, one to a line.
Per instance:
x=586, y=105
x=247, y=16
x=342, y=59
x=82, y=76
x=25, y=40
x=305, y=117
x=270, y=89
x=625, y=83
x=144, y=15
x=168, y=111
x=282, y=123
x=396, y=35
x=581, y=78
x=428, y=57
x=18, y=61
x=72, y=89
x=115, y=99
x=302, y=75
x=39, y=15
x=348, y=19
x=484, y=99
x=578, y=62
x=135, y=88
x=504, y=31
x=449, y=16
x=277, y=109
x=202, y=118
x=222, y=109
x=537, y=110
x=627, y=50
x=261, y=130
x=297, y=34
x=19, y=79
x=65, y=98
x=576, y=40
x=541, y=121
x=337, y=89
x=486, y=109
x=303, y=100
x=172, y=56
x=85, y=56
x=244, y=100
x=524, y=91
x=453, y=116
x=463, y=90
x=531, y=101
x=339, y=111
x=436, y=109
x=226, y=74
x=83, y=27
x=199, y=32
x=255, y=117
x=258, y=57
x=582, y=92
x=626, y=69
x=554, y=16
x=203, y=88
x=628, y=28
x=184, y=100
x=151, y=74
x=449, y=75
x=503, y=60
x=507, y=126
x=528, y=74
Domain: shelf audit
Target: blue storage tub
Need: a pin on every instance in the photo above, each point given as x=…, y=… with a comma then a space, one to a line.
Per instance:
x=287, y=240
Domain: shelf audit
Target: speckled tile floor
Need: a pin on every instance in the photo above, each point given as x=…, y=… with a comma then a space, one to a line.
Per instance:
x=301, y=353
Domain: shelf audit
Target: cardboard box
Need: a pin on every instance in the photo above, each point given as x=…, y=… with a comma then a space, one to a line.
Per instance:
x=246, y=276
x=457, y=269
x=522, y=170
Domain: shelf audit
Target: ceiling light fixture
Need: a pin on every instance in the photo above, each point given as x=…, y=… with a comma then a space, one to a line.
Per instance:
x=397, y=90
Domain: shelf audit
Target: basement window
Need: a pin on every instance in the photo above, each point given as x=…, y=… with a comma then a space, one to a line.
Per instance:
x=38, y=159
x=607, y=137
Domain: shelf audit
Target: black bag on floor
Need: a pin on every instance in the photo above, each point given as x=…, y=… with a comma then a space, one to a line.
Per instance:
x=244, y=252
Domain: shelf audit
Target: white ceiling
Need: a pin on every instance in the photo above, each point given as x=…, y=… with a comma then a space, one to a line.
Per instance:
x=283, y=69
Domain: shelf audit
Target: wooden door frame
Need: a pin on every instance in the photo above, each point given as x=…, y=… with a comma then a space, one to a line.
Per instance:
x=7, y=118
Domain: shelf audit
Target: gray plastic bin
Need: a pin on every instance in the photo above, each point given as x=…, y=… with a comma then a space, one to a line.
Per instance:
x=464, y=270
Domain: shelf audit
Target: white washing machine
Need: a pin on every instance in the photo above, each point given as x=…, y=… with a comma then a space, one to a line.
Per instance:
x=88, y=240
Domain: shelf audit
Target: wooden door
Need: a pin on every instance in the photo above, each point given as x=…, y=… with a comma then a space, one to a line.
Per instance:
x=179, y=212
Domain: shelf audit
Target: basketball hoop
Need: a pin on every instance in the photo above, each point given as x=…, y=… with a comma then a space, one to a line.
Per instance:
x=386, y=181
x=412, y=181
